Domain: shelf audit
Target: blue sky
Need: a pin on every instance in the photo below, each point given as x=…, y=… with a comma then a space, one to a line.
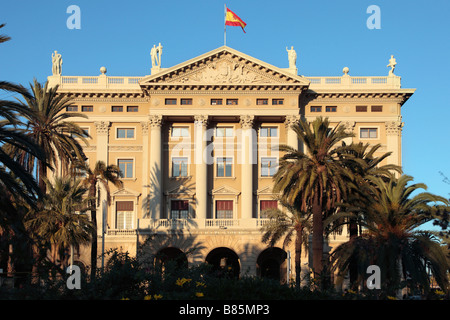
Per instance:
x=327, y=35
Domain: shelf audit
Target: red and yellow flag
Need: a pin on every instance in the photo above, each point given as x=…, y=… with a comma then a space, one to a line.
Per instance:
x=231, y=19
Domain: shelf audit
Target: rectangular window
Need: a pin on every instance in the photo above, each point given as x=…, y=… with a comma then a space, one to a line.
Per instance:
x=126, y=166
x=376, y=108
x=277, y=101
x=232, y=102
x=316, y=109
x=132, y=108
x=87, y=108
x=224, y=167
x=224, y=131
x=261, y=102
x=72, y=108
x=179, y=209
x=268, y=132
x=117, y=108
x=216, y=102
x=267, y=205
x=330, y=109
x=125, y=133
x=180, y=132
x=179, y=167
x=368, y=133
x=361, y=108
x=171, y=101
x=224, y=209
x=268, y=167
x=124, y=214
x=186, y=102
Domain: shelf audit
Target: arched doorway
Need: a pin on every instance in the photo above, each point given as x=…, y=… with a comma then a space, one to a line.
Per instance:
x=170, y=256
x=271, y=263
x=224, y=261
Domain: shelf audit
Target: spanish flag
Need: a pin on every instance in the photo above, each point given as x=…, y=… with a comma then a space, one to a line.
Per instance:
x=231, y=19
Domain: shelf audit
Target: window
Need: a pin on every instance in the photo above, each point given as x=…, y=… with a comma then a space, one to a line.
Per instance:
x=376, y=108
x=87, y=108
x=316, y=109
x=72, y=108
x=267, y=205
x=171, y=101
x=268, y=132
x=361, y=108
x=186, y=101
x=224, y=131
x=224, y=167
x=368, y=133
x=117, y=108
x=179, y=209
x=180, y=132
x=232, y=102
x=330, y=109
x=126, y=166
x=261, y=102
x=216, y=102
x=179, y=167
x=268, y=167
x=124, y=214
x=132, y=108
x=224, y=209
x=277, y=101
x=125, y=133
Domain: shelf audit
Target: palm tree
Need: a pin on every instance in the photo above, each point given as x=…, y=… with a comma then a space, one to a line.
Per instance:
x=62, y=221
x=102, y=174
x=293, y=223
x=391, y=216
x=45, y=124
x=3, y=38
x=316, y=179
x=369, y=165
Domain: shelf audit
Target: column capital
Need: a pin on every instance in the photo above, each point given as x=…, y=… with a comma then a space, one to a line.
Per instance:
x=102, y=127
x=246, y=121
x=145, y=125
x=292, y=120
x=201, y=120
x=156, y=120
x=394, y=127
x=349, y=126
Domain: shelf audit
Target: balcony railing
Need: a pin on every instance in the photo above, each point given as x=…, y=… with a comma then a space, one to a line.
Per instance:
x=96, y=82
x=349, y=82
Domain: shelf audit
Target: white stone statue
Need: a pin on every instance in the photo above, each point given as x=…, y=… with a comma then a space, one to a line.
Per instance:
x=392, y=64
x=292, y=56
x=156, y=53
x=56, y=63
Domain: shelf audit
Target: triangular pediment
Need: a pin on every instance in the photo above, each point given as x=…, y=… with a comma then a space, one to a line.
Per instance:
x=225, y=190
x=223, y=67
x=124, y=192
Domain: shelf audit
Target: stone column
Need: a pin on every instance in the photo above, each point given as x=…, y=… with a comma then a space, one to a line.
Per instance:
x=349, y=128
x=291, y=136
x=393, y=141
x=102, y=129
x=201, y=168
x=145, y=165
x=155, y=200
x=247, y=159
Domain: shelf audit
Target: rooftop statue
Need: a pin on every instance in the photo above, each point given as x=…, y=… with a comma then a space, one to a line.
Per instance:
x=392, y=64
x=56, y=63
x=156, y=53
x=292, y=56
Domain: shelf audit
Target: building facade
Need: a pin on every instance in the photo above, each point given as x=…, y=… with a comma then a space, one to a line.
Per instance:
x=197, y=146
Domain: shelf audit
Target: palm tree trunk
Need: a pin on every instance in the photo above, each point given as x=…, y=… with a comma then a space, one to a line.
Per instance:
x=42, y=174
x=353, y=267
x=298, y=254
x=317, y=236
x=92, y=193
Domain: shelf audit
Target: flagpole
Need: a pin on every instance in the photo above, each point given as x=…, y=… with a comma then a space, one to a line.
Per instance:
x=225, y=27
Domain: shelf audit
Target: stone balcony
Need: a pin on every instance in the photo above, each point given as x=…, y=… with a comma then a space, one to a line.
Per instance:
x=146, y=226
x=103, y=82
